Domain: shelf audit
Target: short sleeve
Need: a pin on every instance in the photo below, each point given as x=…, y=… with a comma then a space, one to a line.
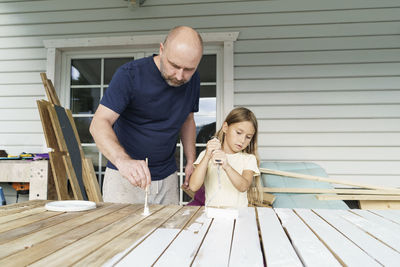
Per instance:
x=199, y=158
x=251, y=164
x=118, y=94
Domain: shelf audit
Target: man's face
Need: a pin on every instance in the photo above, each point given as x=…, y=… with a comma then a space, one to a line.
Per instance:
x=177, y=65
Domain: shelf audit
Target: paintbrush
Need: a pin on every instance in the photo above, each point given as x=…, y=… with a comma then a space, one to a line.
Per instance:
x=146, y=210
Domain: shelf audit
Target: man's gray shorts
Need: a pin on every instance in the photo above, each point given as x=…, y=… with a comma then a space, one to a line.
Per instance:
x=118, y=189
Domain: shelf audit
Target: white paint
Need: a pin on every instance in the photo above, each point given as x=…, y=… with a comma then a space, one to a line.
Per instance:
x=309, y=248
x=376, y=249
x=277, y=247
x=185, y=246
x=246, y=249
x=222, y=213
x=348, y=252
x=150, y=249
x=380, y=232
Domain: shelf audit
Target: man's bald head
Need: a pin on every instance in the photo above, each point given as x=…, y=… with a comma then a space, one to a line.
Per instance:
x=184, y=34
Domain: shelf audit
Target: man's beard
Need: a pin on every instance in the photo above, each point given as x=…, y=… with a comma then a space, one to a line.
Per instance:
x=170, y=79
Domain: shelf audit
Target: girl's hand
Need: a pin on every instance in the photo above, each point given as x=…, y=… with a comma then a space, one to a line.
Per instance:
x=219, y=157
x=212, y=145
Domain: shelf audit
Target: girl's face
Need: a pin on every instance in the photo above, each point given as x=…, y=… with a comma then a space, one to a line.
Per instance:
x=237, y=136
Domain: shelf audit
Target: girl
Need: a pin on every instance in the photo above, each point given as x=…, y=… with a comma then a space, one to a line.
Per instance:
x=229, y=163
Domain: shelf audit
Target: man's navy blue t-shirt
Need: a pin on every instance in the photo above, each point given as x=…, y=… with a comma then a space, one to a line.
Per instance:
x=151, y=113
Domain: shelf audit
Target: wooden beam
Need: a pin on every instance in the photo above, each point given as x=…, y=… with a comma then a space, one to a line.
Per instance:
x=322, y=179
x=329, y=191
x=356, y=197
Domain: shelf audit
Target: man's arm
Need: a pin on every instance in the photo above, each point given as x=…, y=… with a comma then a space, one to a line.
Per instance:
x=136, y=171
x=188, y=136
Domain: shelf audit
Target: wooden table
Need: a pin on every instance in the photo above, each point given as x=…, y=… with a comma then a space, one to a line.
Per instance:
x=118, y=234
x=36, y=173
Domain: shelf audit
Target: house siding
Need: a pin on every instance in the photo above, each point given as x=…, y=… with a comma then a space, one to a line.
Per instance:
x=323, y=77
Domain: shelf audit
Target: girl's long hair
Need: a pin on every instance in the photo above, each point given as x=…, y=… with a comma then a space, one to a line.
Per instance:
x=241, y=114
x=254, y=193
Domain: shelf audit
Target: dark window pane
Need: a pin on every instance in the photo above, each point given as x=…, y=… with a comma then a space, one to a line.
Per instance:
x=111, y=65
x=84, y=100
x=208, y=91
x=208, y=68
x=82, y=125
x=85, y=71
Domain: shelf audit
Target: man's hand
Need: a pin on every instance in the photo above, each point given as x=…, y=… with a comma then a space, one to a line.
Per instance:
x=189, y=168
x=136, y=171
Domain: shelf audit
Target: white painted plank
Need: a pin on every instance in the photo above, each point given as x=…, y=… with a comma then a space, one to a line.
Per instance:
x=215, y=249
x=21, y=127
x=317, y=30
x=19, y=102
x=321, y=111
x=16, y=150
x=376, y=249
x=23, y=53
x=148, y=251
x=309, y=248
x=329, y=139
x=320, y=84
x=23, y=65
x=319, y=98
x=317, y=70
x=19, y=114
x=371, y=216
x=246, y=249
x=327, y=43
x=329, y=125
x=380, y=232
x=360, y=167
x=278, y=250
x=388, y=214
x=182, y=251
x=345, y=250
x=329, y=153
x=24, y=139
x=17, y=77
x=22, y=90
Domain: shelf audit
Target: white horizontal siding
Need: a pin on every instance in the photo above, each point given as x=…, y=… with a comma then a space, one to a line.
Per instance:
x=323, y=77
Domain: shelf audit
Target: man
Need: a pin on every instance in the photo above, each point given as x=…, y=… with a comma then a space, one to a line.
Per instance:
x=148, y=102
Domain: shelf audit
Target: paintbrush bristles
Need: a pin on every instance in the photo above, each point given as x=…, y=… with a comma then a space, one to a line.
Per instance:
x=146, y=210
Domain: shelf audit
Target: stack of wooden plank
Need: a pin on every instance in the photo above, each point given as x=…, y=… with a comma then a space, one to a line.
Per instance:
x=369, y=196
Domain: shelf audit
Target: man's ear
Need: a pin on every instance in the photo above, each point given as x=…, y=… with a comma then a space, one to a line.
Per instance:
x=225, y=127
x=161, y=49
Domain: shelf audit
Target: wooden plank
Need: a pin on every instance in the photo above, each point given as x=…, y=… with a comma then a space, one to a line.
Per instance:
x=82, y=247
x=32, y=239
x=333, y=191
x=59, y=174
x=321, y=179
x=47, y=247
x=246, y=234
x=23, y=213
x=21, y=232
x=357, y=197
x=379, y=204
x=111, y=252
x=309, y=248
x=216, y=246
x=346, y=252
x=148, y=251
x=392, y=216
x=380, y=232
x=21, y=207
x=90, y=180
x=184, y=248
x=278, y=250
x=376, y=249
x=371, y=216
x=26, y=220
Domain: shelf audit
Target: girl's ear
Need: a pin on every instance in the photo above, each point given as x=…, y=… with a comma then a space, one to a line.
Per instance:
x=225, y=127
